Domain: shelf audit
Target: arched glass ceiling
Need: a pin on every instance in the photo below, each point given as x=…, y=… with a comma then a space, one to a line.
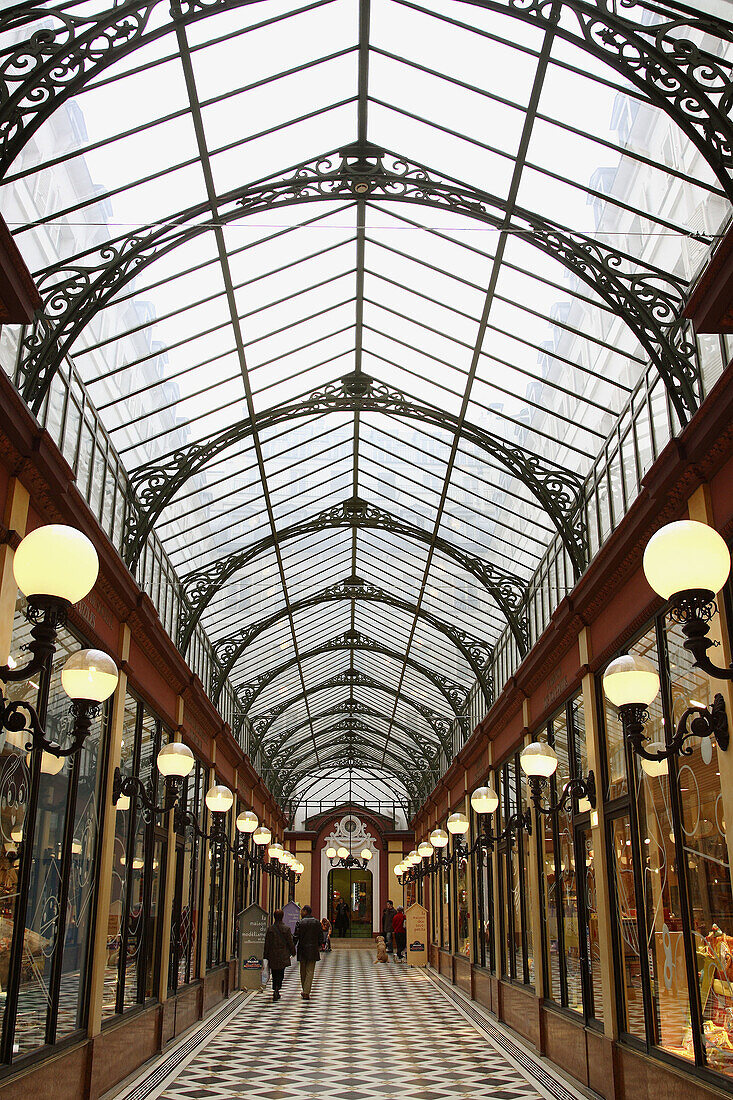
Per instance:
x=359, y=288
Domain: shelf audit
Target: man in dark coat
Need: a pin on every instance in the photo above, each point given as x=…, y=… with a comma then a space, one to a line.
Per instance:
x=387, y=918
x=308, y=936
x=279, y=949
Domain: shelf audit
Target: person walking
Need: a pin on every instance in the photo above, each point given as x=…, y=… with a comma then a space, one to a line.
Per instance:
x=342, y=919
x=326, y=926
x=387, y=918
x=279, y=949
x=308, y=937
x=399, y=928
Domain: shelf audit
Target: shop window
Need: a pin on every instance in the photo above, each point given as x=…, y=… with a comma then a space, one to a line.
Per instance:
x=186, y=917
x=484, y=912
x=571, y=927
x=672, y=885
x=133, y=930
x=434, y=914
x=463, y=909
x=49, y=817
x=219, y=868
x=517, y=946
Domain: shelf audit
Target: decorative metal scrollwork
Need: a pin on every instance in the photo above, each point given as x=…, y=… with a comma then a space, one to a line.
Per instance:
x=508, y=590
x=476, y=652
x=661, y=57
x=455, y=694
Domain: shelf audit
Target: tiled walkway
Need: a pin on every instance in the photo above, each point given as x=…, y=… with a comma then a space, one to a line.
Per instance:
x=370, y=1032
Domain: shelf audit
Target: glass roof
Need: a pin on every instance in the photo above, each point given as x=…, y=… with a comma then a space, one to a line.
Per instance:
x=397, y=268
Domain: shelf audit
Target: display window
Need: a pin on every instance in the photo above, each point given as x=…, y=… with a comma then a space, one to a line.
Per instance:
x=571, y=941
x=138, y=869
x=673, y=904
x=186, y=916
x=50, y=824
x=516, y=934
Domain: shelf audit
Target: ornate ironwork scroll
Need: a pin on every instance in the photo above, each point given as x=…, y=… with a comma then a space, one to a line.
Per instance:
x=558, y=490
x=477, y=653
x=201, y=586
x=661, y=57
x=648, y=299
x=456, y=694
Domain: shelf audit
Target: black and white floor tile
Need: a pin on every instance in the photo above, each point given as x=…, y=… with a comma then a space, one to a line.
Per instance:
x=370, y=1032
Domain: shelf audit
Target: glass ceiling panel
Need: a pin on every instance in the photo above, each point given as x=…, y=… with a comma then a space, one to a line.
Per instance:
x=257, y=313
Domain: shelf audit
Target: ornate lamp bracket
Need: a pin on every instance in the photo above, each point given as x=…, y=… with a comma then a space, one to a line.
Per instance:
x=694, y=610
x=574, y=788
x=697, y=721
x=132, y=787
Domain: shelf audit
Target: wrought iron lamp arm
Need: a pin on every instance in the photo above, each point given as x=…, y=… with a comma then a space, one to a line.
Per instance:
x=132, y=786
x=574, y=788
x=47, y=615
x=697, y=721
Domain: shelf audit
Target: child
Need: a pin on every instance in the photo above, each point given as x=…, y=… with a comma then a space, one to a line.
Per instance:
x=326, y=926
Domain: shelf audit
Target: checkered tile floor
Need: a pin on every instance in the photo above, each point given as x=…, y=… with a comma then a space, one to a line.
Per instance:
x=370, y=1032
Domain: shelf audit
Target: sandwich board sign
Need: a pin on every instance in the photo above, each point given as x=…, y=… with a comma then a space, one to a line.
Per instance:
x=417, y=935
x=252, y=928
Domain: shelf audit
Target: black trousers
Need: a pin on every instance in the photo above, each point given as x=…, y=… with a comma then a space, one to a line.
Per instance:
x=400, y=942
x=277, y=979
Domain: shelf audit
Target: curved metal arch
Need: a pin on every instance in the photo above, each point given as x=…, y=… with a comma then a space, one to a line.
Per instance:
x=415, y=779
x=200, y=586
x=350, y=678
x=455, y=694
x=477, y=653
x=399, y=753
x=557, y=489
x=355, y=711
x=399, y=795
x=649, y=300
x=692, y=86
x=412, y=778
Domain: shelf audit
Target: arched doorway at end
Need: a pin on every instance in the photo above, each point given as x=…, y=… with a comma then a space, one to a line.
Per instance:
x=350, y=902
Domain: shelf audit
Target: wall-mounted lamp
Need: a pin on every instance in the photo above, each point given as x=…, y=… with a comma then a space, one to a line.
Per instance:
x=631, y=683
x=174, y=762
x=342, y=857
x=538, y=761
x=687, y=563
x=56, y=566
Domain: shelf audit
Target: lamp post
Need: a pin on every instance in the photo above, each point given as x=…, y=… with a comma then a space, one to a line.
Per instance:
x=631, y=683
x=54, y=567
x=687, y=563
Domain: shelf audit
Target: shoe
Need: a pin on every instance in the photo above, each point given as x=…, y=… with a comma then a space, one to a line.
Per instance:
x=276, y=996
x=305, y=996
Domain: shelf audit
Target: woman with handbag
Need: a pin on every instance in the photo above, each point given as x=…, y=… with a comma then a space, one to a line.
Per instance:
x=279, y=949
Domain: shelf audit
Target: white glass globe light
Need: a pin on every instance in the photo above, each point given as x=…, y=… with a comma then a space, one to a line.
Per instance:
x=655, y=768
x=247, y=821
x=16, y=834
x=175, y=759
x=412, y=859
x=330, y=853
x=438, y=838
x=686, y=555
x=56, y=560
x=297, y=867
x=287, y=858
x=538, y=759
x=275, y=851
x=366, y=854
x=50, y=763
x=584, y=805
x=262, y=835
x=399, y=869
x=631, y=679
x=484, y=800
x=458, y=824
x=89, y=674
x=219, y=798
x=342, y=852
x=123, y=802
x=424, y=850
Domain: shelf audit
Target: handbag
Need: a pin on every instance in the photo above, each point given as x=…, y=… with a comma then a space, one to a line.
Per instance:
x=265, y=972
